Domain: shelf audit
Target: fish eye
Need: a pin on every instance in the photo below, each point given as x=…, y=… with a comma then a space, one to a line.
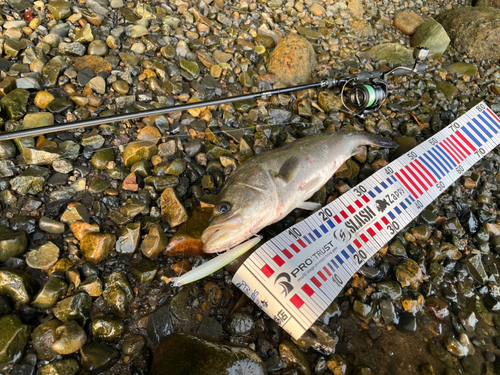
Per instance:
x=223, y=207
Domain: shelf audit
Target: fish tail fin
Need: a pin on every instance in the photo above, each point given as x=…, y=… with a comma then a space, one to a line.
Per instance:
x=374, y=140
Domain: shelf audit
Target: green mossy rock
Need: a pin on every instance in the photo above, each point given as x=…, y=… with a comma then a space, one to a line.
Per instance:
x=13, y=338
x=12, y=244
x=16, y=284
x=181, y=354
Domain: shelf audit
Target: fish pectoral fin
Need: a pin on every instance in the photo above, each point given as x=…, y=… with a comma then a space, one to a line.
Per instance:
x=289, y=169
x=310, y=206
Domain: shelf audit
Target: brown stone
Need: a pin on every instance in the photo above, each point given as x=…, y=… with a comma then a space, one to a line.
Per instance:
x=62, y=265
x=407, y=22
x=81, y=228
x=181, y=267
x=187, y=240
x=172, y=210
x=493, y=229
x=356, y=8
x=155, y=242
x=317, y=9
x=96, y=247
x=97, y=63
x=469, y=183
x=149, y=133
x=437, y=307
x=488, y=3
x=135, y=151
x=409, y=274
x=43, y=98
x=474, y=31
x=130, y=183
x=292, y=61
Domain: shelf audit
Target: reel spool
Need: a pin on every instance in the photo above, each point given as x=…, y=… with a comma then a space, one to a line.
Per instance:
x=363, y=97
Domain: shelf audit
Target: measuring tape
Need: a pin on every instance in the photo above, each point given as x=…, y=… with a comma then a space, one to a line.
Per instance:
x=295, y=276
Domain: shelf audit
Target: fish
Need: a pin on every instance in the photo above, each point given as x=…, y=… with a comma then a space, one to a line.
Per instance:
x=268, y=186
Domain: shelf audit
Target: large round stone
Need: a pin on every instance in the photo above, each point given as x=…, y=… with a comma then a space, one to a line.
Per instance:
x=473, y=31
x=181, y=354
x=292, y=61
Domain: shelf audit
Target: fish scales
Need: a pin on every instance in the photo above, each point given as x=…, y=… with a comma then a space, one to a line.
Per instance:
x=269, y=186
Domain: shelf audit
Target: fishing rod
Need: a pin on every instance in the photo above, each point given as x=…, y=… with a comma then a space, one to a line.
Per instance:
x=361, y=93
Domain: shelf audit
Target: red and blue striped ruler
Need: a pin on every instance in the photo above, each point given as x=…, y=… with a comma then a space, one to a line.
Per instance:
x=296, y=275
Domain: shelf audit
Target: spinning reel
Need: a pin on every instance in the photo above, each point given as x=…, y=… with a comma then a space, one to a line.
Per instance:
x=364, y=93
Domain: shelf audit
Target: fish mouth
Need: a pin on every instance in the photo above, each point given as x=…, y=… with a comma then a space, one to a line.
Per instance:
x=221, y=237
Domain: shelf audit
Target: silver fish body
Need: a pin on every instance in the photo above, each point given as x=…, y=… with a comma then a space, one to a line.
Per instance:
x=270, y=185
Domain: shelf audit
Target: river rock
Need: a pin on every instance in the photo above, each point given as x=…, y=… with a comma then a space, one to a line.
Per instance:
x=107, y=329
x=476, y=268
x=160, y=324
x=43, y=257
x=38, y=120
x=432, y=35
x=43, y=338
x=14, y=104
x=155, y=242
x=30, y=181
x=145, y=270
x=409, y=274
x=85, y=34
x=60, y=9
x=96, y=247
x=74, y=48
x=19, y=5
x=81, y=228
x=329, y=102
x=187, y=240
x=136, y=151
x=41, y=155
x=392, y=53
x=407, y=22
x=64, y=367
x=488, y=3
x=188, y=354
x=75, y=212
x=98, y=357
x=92, y=286
x=12, y=244
x=16, y=284
x=172, y=210
x=50, y=293
x=13, y=338
x=76, y=307
x=118, y=293
x=294, y=357
x=292, y=61
x=98, y=85
x=462, y=69
x=96, y=63
x=70, y=337
x=128, y=238
x=7, y=150
x=474, y=31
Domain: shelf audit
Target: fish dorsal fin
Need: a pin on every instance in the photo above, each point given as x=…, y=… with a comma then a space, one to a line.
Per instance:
x=289, y=169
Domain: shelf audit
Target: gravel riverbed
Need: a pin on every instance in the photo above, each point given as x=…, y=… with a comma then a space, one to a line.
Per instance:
x=93, y=221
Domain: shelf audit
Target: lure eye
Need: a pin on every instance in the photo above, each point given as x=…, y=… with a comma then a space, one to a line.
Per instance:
x=223, y=207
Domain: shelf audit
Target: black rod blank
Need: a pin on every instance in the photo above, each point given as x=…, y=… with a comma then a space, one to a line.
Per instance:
x=153, y=112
